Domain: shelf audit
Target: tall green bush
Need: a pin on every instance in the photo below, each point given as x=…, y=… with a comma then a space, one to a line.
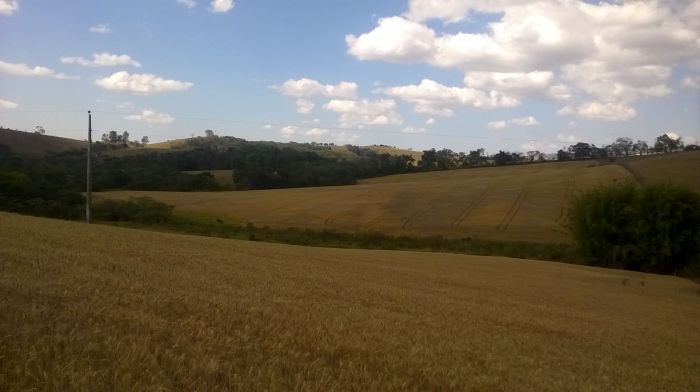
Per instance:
x=136, y=209
x=653, y=228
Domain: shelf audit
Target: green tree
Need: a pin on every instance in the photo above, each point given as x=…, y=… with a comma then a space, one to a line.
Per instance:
x=581, y=150
x=563, y=155
x=654, y=228
x=665, y=143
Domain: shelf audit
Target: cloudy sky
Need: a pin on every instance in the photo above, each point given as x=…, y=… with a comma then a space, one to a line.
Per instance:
x=461, y=74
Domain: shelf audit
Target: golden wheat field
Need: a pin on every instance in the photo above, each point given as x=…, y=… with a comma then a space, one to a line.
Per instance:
x=524, y=202
x=104, y=308
x=681, y=167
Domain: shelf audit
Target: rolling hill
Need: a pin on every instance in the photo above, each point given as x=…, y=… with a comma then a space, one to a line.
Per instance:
x=522, y=202
x=35, y=145
x=99, y=308
x=680, y=167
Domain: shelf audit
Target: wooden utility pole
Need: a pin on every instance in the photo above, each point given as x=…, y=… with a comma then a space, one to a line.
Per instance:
x=88, y=201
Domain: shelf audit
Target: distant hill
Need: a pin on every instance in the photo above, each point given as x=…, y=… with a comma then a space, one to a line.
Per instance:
x=335, y=150
x=36, y=145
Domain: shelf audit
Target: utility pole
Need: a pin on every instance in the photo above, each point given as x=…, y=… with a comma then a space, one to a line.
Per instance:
x=88, y=201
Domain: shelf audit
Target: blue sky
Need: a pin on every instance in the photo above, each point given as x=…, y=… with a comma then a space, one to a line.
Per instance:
x=508, y=74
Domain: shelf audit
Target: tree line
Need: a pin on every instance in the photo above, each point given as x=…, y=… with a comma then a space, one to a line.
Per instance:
x=447, y=159
x=47, y=186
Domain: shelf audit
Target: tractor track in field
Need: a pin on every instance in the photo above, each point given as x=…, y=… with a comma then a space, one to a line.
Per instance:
x=513, y=210
x=408, y=223
x=568, y=194
x=470, y=208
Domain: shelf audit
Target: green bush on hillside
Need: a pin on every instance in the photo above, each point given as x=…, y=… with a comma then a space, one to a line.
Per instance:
x=136, y=209
x=653, y=228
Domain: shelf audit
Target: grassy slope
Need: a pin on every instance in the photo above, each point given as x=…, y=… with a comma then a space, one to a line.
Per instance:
x=680, y=167
x=417, y=155
x=523, y=202
x=99, y=308
x=30, y=144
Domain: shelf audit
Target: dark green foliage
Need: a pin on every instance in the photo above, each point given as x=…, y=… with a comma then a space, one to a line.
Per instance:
x=506, y=158
x=666, y=144
x=136, y=209
x=254, y=165
x=653, y=229
x=563, y=155
x=43, y=187
x=367, y=240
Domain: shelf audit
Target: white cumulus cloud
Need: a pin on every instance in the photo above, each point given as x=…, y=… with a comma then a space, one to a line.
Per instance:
x=222, y=5
x=9, y=7
x=21, y=69
x=691, y=82
x=395, y=39
x=8, y=104
x=304, y=106
x=414, y=130
x=187, y=3
x=103, y=59
x=346, y=138
x=540, y=145
x=288, y=131
x=672, y=135
x=151, y=117
x=142, y=84
x=567, y=138
x=305, y=88
x=601, y=57
x=432, y=98
x=522, y=121
x=365, y=112
x=316, y=132
x=608, y=111
x=101, y=28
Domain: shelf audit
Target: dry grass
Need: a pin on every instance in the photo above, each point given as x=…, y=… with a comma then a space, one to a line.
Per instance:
x=524, y=202
x=416, y=154
x=103, y=308
x=170, y=144
x=679, y=167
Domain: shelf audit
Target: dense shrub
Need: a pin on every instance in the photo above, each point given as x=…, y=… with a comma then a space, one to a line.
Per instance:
x=136, y=209
x=653, y=228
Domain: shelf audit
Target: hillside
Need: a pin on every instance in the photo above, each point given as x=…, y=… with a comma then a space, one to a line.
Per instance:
x=35, y=145
x=524, y=202
x=680, y=167
x=97, y=307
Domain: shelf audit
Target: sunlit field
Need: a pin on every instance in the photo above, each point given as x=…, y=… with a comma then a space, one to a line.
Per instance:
x=524, y=202
x=104, y=308
x=680, y=168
